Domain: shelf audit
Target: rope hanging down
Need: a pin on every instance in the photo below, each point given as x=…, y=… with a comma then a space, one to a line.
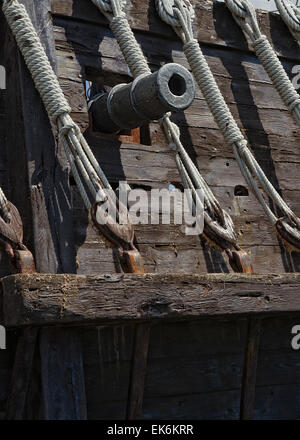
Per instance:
x=290, y=14
x=245, y=15
x=181, y=21
x=218, y=225
x=89, y=177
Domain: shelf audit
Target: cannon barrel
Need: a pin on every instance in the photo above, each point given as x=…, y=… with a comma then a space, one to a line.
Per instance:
x=147, y=98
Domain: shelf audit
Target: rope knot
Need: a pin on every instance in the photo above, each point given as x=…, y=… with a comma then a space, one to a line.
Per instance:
x=259, y=42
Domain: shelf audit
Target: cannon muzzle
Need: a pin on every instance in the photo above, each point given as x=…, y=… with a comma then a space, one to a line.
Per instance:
x=147, y=98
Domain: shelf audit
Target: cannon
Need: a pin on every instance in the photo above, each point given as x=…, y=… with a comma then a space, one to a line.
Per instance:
x=147, y=98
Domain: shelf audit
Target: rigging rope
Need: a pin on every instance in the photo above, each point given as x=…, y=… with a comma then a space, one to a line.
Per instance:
x=180, y=18
x=290, y=14
x=78, y=152
x=219, y=229
x=245, y=15
x=4, y=207
x=95, y=190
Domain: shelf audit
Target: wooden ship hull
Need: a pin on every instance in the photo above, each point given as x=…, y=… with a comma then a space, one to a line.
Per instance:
x=213, y=344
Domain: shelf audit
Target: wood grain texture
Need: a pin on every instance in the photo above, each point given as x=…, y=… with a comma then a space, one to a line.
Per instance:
x=37, y=170
x=277, y=379
x=62, y=375
x=138, y=372
x=68, y=299
x=213, y=24
x=250, y=367
x=21, y=375
x=39, y=178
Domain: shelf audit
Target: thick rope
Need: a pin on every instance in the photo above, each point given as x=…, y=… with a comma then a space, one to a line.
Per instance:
x=290, y=14
x=85, y=168
x=130, y=49
x=190, y=175
x=4, y=207
x=245, y=15
x=222, y=115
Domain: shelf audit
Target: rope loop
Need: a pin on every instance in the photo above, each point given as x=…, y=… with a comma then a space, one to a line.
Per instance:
x=290, y=14
x=109, y=8
x=167, y=10
x=244, y=14
x=236, y=8
x=66, y=129
x=5, y=211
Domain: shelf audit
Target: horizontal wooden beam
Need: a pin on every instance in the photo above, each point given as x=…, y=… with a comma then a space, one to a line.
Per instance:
x=213, y=24
x=113, y=298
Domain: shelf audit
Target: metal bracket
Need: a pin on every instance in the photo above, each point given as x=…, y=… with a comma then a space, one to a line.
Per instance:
x=131, y=261
x=239, y=261
x=11, y=241
x=120, y=235
x=23, y=262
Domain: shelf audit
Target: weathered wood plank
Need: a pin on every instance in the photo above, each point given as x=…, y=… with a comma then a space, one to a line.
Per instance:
x=241, y=78
x=62, y=375
x=202, y=358
x=21, y=375
x=107, y=354
x=250, y=367
x=67, y=299
x=138, y=372
x=39, y=177
x=213, y=25
x=222, y=405
x=38, y=171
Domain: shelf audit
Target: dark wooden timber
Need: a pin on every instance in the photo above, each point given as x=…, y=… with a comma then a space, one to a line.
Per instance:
x=70, y=299
x=37, y=170
x=211, y=25
x=250, y=369
x=62, y=375
x=138, y=372
x=39, y=178
x=21, y=375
